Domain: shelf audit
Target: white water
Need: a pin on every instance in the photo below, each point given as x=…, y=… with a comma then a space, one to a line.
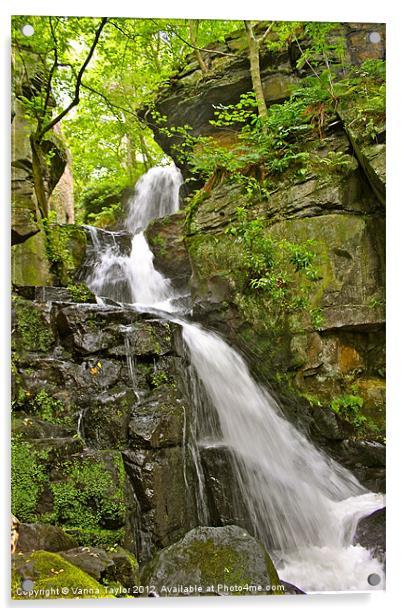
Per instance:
x=303, y=505
x=156, y=195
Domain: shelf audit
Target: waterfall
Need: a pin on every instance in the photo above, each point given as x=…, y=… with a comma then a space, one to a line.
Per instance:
x=301, y=504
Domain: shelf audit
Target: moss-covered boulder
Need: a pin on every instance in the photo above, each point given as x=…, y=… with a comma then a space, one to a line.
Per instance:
x=32, y=327
x=43, y=537
x=219, y=561
x=45, y=575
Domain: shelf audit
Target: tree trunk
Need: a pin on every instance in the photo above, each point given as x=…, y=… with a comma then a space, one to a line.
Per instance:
x=254, y=55
x=193, y=25
x=39, y=173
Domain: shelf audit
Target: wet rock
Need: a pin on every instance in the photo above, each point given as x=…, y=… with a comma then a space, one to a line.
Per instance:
x=207, y=560
x=291, y=589
x=366, y=459
x=165, y=507
x=370, y=533
x=166, y=239
x=225, y=504
x=104, y=423
x=150, y=338
x=43, y=537
x=158, y=421
x=326, y=424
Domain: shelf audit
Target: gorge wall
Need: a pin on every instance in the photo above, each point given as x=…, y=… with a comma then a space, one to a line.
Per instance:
x=340, y=209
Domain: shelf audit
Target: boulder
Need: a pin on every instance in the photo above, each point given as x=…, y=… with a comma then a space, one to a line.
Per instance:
x=291, y=589
x=164, y=501
x=213, y=560
x=115, y=565
x=45, y=575
x=43, y=537
x=166, y=239
x=370, y=533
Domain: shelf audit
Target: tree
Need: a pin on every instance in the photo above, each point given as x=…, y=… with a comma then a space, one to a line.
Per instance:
x=254, y=55
x=40, y=101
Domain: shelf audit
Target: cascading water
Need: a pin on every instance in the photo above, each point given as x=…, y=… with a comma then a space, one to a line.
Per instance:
x=301, y=504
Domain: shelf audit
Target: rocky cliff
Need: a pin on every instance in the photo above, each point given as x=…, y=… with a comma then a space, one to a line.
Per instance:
x=31, y=263
x=327, y=371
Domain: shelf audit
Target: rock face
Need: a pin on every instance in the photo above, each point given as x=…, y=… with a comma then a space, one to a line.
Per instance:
x=370, y=533
x=327, y=372
x=191, y=97
x=213, y=561
x=98, y=424
x=31, y=263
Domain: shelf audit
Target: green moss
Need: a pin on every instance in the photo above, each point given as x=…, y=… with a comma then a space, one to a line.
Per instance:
x=223, y=563
x=53, y=578
x=99, y=537
x=65, y=248
x=159, y=377
x=28, y=478
x=80, y=293
x=160, y=243
x=32, y=331
x=91, y=495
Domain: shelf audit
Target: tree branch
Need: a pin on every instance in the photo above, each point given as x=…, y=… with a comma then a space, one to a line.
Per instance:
x=108, y=102
x=267, y=31
x=52, y=70
x=132, y=37
x=81, y=72
x=216, y=51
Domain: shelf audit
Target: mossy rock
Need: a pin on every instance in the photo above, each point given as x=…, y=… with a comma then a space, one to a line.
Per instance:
x=29, y=262
x=43, y=537
x=32, y=328
x=49, y=576
x=113, y=564
x=66, y=249
x=221, y=560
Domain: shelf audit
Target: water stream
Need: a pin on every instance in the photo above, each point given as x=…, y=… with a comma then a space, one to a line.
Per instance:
x=301, y=504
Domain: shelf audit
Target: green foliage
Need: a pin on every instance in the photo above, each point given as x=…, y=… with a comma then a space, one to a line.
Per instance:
x=159, y=377
x=27, y=480
x=349, y=408
x=48, y=408
x=267, y=264
x=57, y=249
x=89, y=497
x=80, y=293
x=274, y=278
x=100, y=537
